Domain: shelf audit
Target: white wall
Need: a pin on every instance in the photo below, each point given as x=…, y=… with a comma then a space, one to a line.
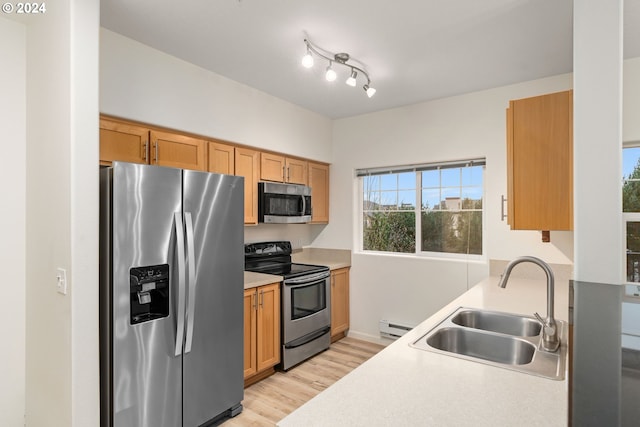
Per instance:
x=12, y=218
x=631, y=100
x=410, y=289
x=141, y=83
x=62, y=381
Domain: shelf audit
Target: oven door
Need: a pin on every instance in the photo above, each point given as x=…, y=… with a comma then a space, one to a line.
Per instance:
x=305, y=305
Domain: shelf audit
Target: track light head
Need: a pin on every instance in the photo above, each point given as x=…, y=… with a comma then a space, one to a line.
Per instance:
x=351, y=81
x=330, y=74
x=307, y=59
x=370, y=91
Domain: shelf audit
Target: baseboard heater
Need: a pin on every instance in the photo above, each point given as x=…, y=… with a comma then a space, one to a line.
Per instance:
x=393, y=330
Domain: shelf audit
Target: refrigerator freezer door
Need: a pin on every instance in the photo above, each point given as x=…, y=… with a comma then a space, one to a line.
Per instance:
x=213, y=368
x=146, y=375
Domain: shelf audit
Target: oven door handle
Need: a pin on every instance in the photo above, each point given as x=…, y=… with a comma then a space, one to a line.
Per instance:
x=307, y=338
x=304, y=280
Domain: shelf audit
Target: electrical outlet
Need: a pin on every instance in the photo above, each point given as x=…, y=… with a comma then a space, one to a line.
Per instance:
x=61, y=281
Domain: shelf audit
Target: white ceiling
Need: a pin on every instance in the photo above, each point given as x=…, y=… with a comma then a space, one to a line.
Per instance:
x=413, y=50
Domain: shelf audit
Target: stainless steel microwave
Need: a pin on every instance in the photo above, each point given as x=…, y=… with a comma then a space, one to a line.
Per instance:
x=280, y=203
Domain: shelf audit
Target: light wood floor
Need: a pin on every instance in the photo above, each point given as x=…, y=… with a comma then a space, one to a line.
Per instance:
x=267, y=402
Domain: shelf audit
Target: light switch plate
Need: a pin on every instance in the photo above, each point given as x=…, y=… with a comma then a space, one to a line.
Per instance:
x=61, y=281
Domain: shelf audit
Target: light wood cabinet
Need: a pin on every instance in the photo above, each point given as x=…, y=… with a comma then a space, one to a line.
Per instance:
x=129, y=142
x=124, y=142
x=274, y=167
x=221, y=158
x=319, y=183
x=339, y=303
x=539, y=162
x=247, y=164
x=261, y=330
x=178, y=151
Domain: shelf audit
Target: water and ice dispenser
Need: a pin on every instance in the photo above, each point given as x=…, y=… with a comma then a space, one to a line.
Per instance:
x=149, y=293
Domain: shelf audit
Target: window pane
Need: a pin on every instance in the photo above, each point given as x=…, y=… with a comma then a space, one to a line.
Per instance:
x=407, y=199
x=389, y=232
x=431, y=199
x=631, y=175
x=431, y=179
x=633, y=251
x=389, y=200
x=451, y=177
x=472, y=176
x=389, y=182
x=407, y=180
x=452, y=232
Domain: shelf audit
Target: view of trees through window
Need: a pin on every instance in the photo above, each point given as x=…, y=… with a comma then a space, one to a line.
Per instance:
x=438, y=209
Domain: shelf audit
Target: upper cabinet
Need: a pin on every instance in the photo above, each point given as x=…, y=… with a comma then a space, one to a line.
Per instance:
x=221, y=158
x=178, y=151
x=247, y=164
x=319, y=183
x=124, y=142
x=540, y=162
x=274, y=167
x=129, y=142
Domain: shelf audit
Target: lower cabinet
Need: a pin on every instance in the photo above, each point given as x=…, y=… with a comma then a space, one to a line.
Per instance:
x=261, y=331
x=339, y=303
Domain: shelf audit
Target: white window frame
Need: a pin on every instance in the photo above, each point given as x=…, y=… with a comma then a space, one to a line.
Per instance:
x=360, y=173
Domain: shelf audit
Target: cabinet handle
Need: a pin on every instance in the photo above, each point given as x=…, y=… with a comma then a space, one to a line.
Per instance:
x=502, y=202
x=254, y=297
x=261, y=299
x=157, y=154
x=144, y=150
x=288, y=173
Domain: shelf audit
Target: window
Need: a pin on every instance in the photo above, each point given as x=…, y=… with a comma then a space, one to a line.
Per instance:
x=429, y=208
x=631, y=216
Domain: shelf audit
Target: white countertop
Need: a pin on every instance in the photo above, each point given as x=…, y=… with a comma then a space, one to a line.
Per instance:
x=253, y=280
x=404, y=386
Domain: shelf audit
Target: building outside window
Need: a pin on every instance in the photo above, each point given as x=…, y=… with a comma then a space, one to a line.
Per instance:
x=432, y=209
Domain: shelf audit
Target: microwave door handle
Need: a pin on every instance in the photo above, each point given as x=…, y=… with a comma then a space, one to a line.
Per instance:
x=304, y=204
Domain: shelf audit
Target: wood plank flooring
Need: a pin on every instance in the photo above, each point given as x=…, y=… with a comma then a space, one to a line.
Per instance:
x=267, y=402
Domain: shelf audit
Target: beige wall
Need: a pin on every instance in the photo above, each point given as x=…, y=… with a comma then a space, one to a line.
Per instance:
x=12, y=218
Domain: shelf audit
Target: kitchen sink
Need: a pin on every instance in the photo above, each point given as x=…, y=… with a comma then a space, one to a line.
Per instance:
x=503, y=340
x=503, y=323
x=491, y=347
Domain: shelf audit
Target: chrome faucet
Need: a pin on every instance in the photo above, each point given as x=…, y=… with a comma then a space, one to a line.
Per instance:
x=550, y=341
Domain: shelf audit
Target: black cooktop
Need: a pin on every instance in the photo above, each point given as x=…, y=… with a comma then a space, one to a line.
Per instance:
x=275, y=258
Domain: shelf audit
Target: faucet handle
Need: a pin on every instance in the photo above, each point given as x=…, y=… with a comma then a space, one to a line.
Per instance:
x=549, y=328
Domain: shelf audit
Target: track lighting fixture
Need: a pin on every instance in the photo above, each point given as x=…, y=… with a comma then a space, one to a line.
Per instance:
x=338, y=58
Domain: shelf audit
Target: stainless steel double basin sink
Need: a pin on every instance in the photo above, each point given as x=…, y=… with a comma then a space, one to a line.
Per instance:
x=504, y=340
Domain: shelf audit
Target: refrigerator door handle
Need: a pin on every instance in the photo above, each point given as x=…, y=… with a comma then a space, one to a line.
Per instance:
x=192, y=281
x=181, y=282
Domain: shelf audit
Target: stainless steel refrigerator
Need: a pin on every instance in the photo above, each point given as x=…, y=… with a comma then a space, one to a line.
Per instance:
x=171, y=296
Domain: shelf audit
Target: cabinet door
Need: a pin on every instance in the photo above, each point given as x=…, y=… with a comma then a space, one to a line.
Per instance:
x=268, y=326
x=250, y=333
x=272, y=167
x=539, y=163
x=319, y=183
x=124, y=142
x=296, y=171
x=221, y=158
x=339, y=301
x=248, y=166
x=178, y=151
